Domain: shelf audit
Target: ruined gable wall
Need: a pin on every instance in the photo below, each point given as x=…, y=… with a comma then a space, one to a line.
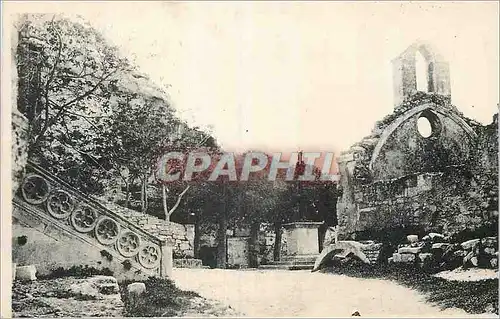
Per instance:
x=407, y=152
x=448, y=184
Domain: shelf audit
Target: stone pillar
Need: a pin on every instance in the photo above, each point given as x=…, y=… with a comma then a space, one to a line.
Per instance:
x=166, y=261
x=302, y=238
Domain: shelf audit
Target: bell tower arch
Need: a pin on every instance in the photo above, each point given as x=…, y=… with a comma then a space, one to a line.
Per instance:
x=420, y=68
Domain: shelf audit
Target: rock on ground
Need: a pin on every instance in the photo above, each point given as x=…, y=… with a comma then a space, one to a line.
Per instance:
x=471, y=274
x=54, y=298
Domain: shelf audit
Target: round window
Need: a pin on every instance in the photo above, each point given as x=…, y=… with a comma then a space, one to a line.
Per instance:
x=424, y=126
x=428, y=124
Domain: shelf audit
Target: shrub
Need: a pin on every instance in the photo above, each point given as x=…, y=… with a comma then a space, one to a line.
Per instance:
x=76, y=271
x=162, y=298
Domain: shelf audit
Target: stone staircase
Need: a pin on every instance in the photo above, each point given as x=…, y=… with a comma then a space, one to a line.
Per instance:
x=55, y=225
x=292, y=263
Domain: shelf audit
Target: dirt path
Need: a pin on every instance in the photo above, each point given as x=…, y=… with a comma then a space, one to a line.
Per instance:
x=271, y=293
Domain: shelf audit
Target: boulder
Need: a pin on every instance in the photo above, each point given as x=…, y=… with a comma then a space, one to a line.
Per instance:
x=425, y=260
x=396, y=257
x=460, y=253
x=26, y=272
x=407, y=258
x=441, y=246
x=490, y=251
x=474, y=261
x=490, y=242
x=425, y=257
x=469, y=244
x=436, y=237
x=134, y=291
x=494, y=263
x=409, y=250
x=136, y=288
x=412, y=238
x=467, y=258
x=97, y=287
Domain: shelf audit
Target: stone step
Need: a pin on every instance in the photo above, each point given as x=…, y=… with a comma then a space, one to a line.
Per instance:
x=288, y=267
x=188, y=263
x=301, y=258
x=293, y=262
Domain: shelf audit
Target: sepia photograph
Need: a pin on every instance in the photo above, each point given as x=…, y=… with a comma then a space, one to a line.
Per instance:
x=265, y=159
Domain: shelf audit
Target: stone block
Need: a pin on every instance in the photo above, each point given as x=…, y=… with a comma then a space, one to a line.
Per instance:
x=467, y=258
x=134, y=292
x=474, y=261
x=425, y=257
x=396, y=257
x=409, y=250
x=407, y=258
x=412, y=238
x=136, y=288
x=494, y=263
x=436, y=236
x=469, y=244
x=490, y=242
x=26, y=272
x=442, y=246
x=489, y=251
x=96, y=286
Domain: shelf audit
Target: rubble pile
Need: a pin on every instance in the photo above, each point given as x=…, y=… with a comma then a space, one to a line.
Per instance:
x=435, y=252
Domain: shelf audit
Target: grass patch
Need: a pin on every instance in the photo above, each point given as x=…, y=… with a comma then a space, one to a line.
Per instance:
x=472, y=296
x=161, y=299
x=76, y=271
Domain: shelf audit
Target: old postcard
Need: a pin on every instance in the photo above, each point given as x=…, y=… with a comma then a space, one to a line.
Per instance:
x=250, y=159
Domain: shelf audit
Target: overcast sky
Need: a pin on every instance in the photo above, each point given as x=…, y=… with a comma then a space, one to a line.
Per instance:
x=284, y=75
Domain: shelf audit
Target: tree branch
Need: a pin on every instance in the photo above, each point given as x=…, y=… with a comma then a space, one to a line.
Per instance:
x=52, y=72
x=63, y=107
x=179, y=198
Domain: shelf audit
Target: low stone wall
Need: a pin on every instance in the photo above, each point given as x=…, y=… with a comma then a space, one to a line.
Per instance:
x=188, y=263
x=180, y=237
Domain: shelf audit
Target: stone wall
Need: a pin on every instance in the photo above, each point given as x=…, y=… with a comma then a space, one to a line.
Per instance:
x=446, y=185
x=238, y=246
x=401, y=179
x=179, y=237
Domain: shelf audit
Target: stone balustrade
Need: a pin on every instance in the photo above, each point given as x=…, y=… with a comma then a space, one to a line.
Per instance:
x=46, y=197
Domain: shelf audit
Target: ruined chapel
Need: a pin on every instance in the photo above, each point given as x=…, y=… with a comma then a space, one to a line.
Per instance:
x=425, y=167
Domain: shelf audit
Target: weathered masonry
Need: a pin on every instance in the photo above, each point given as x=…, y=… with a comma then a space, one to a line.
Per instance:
x=55, y=226
x=425, y=167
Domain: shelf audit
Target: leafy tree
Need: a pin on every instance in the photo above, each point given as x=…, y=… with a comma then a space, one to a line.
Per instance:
x=65, y=70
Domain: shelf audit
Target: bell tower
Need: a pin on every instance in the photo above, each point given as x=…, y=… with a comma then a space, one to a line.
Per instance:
x=420, y=69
